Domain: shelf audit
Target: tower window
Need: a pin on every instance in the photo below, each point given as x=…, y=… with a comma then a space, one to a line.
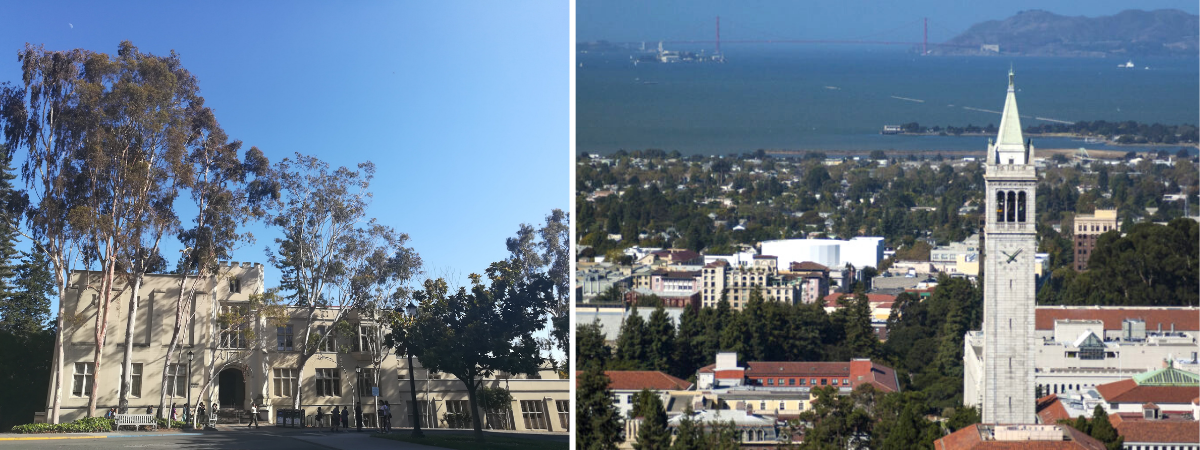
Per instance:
x=1021, y=206
x=999, y=206
x=1011, y=208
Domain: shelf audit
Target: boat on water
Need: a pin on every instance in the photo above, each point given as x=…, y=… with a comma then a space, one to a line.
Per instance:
x=1127, y=65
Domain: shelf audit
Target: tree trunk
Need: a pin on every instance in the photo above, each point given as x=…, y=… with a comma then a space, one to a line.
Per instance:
x=472, y=387
x=180, y=318
x=101, y=333
x=127, y=362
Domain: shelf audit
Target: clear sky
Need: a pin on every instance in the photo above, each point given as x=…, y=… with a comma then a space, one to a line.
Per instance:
x=463, y=108
x=634, y=20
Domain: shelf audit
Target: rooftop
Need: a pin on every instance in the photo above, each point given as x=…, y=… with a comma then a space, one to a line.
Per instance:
x=1018, y=437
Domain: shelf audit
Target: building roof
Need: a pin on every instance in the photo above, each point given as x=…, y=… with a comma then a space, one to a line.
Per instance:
x=1135, y=428
x=832, y=299
x=984, y=436
x=636, y=380
x=1128, y=391
x=1168, y=376
x=807, y=266
x=859, y=371
x=1050, y=409
x=677, y=255
x=1184, y=319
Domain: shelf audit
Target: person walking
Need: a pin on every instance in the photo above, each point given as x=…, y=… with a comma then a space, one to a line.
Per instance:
x=358, y=415
x=345, y=418
x=320, y=415
x=387, y=417
x=173, y=413
x=334, y=420
x=201, y=415
x=253, y=416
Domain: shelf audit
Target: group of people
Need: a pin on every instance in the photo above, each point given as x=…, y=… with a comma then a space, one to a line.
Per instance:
x=342, y=417
x=200, y=412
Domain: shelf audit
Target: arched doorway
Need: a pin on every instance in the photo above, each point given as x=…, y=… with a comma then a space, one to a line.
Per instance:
x=231, y=388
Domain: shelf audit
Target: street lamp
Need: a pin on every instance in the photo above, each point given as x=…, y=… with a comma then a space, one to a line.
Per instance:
x=412, y=311
x=358, y=396
x=188, y=405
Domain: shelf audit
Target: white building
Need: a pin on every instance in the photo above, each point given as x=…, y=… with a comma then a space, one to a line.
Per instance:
x=860, y=252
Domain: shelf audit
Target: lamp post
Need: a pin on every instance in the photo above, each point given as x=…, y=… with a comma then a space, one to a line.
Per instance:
x=188, y=405
x=412, y=311
x=358, y=396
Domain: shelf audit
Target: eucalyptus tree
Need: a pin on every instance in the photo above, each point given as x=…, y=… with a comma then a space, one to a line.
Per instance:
x=42, y=120
x=330, y=252
x=546, y=251
x=382, y=280
x=472, y=334
x=229, y=189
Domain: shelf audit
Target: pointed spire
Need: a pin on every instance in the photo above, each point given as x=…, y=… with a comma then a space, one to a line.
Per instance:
x=1010, y=143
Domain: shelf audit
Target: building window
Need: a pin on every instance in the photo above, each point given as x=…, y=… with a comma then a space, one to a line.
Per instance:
x=235, y=285
x=366, y=339
x=423, y=409
x=781, y=405
x=534, y=414
x=835, y=381
x=791, y=381
x=845, y=381
x=330, y=343
x=286, y=381
x=83, y=380
x=232, y=321
x=329, y=383
x=135, y=380
x=770, y=381
x=366, y=381
x=1021, y=206
x=564, y=414
x=458, y=414
x=802, y=382
x=177, y=380
x=824, y=381
x=284, y=335
x=1010, y=209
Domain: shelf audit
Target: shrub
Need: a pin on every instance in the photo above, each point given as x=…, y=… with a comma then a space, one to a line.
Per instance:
x=85, y=425
x=163, y=423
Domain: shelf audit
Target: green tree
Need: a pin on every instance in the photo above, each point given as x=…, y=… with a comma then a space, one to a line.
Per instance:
x=474, y=333
x=662, y=340
x=689, y=435
x=633, y=343
x=597, y=423
x=652, y=432
x=26, y=309
x=1101, y=429
x=590, y=347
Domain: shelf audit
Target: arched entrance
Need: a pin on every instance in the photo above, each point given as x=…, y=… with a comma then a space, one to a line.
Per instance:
x=231, y=388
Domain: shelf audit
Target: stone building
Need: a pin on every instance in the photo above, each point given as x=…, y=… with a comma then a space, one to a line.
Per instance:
x=1010, y=241
x=233, y=367
x=737, y=283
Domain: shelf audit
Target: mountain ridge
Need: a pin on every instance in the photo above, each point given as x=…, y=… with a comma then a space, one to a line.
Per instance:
x=1129, y=33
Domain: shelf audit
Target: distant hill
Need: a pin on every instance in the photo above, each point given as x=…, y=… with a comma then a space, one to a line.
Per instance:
x=1130, y=33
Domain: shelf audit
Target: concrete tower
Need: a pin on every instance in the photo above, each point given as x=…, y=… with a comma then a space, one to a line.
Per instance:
x=1009, y=290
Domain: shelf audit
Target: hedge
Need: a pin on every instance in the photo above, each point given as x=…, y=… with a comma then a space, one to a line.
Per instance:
x=85, y=425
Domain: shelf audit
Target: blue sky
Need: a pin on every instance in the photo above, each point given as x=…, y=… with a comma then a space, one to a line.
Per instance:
x=462, y=108
x=634, y=20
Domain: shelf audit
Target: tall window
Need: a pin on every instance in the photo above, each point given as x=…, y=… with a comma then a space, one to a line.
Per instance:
x=1021, y=206
x=83, y=380
x=235, y=285
x=458, y=414
x=425, y=409
x=534, y=414
x=135, y=383
x=233, y=326
x=284, y=338
x=177, y=380
x=999, y=206
x=1010, y=208
x=328, y=383
x=564, y=414
x=366, y=339
x=366, y=381
x=286, y=381
x=330, y=344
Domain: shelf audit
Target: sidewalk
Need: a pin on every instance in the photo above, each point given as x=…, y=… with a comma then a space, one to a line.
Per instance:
x=115, y=434
x=351, y=440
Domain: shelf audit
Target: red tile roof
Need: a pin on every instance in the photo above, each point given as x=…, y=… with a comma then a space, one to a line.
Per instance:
x=1128, y=391
x=970, y=438
x=1184, y=319
x=677, y=255
x=858, y=371
x=636, y=380
x=1161, y=431
x=807, y=266
x=1050, y=409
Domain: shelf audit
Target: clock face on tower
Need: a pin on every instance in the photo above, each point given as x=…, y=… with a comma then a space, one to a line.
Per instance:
x=1013, y=257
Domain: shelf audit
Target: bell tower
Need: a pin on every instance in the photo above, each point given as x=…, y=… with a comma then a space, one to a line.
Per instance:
x=1010, y=241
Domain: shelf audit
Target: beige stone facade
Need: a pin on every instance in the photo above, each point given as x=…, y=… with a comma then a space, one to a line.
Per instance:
x=233, y=368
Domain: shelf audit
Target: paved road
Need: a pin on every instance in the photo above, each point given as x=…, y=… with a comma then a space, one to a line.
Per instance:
x=266, y=438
